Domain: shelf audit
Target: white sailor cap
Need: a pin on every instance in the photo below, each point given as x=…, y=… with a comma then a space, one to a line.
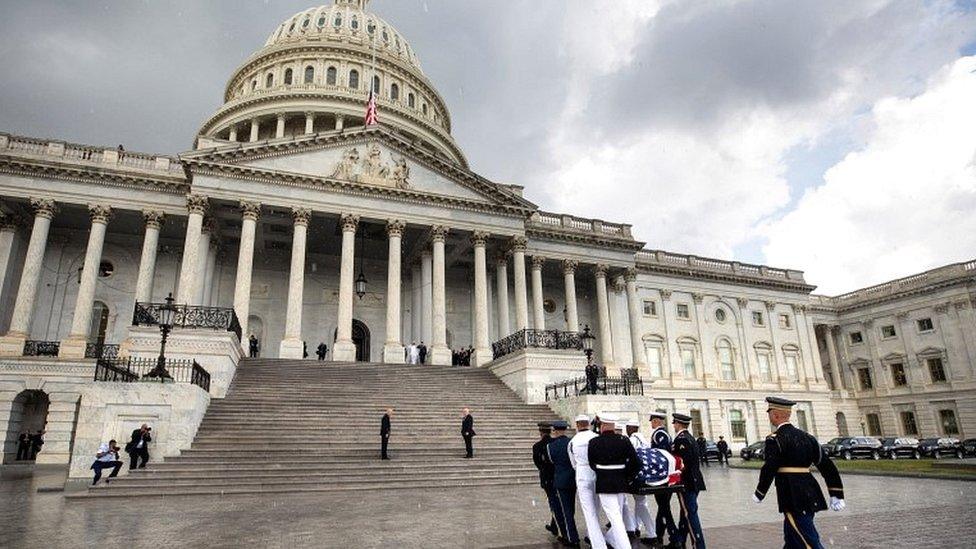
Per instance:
x=607, y=419
x=581, y=418
x=633, y=423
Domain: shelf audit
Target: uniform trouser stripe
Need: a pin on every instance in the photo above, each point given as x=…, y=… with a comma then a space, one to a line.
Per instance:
x=684, y=511
x=562, y=511
x=789, y=518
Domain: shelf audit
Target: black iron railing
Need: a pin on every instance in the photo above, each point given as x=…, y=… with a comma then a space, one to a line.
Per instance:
x=130, y=370
x=101, y=350
x=34, y=347
x=542, y=339
x=189, y=316
x=624, y=385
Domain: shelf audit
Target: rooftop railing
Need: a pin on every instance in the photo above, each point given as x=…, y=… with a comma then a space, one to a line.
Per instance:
x=898, y=286
x=659, y=257
x=573, y=223
x=88, y=153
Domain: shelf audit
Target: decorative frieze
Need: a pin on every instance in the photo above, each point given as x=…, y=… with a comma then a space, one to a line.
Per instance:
x=371, y=169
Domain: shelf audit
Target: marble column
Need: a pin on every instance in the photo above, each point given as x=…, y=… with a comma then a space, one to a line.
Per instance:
x=280, y=127
x=344, y=349
x=147, y=263
x=674, y=369
x=250, y=211
x=197, y=207
x=427, y=297
x=538, y=312
x=749, y=374
x=309, y=123
x=393, y=349
x=835, y=377
x=634, y=316
x=339, y=122
x=777, y=365
x=292, y=345
x=501, y=293
x=233, y=134
x=210, y=276
x=569, y=279
x=207, y=232
x=439, y=353
x=255, y=128
x=13, y=343
x=521, y=292
x=74, y=345
x=603, y=316
x=8, y=232
x=482, y=347
x=417, y=299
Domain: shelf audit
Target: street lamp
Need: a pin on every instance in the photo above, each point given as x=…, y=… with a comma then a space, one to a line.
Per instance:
x=360, y=282
x=587, y=339
x=167, y=316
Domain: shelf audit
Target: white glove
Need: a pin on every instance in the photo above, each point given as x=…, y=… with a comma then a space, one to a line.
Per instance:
x=756, y=499
x=837, y=504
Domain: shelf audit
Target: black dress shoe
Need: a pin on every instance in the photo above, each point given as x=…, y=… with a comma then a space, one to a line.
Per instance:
x=552, y=529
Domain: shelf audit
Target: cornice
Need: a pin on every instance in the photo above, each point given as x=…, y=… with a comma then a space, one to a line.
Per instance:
x=702, y=274
x=93, y=175
x=836, y=306
x=577, y=237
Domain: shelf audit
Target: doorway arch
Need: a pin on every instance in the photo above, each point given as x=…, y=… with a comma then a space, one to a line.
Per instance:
x=99, y=323
x=842, y=424
x=27, y=413
x=360, y=338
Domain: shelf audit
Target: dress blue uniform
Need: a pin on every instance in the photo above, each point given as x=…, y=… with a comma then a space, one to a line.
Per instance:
x=664, y=521
x=686, y=448
x=564, y=481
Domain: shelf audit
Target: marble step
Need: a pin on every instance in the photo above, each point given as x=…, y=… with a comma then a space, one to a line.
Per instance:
x=353, y=465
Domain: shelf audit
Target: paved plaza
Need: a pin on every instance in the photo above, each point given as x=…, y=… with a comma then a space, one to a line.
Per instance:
x=882, y=512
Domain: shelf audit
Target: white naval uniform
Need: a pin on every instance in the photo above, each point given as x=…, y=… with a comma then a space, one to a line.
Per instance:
x=586, y=486
x=638, y=511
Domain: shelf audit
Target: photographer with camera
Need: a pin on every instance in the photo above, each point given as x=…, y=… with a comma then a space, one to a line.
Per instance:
x=138, y=447
x=107, y=458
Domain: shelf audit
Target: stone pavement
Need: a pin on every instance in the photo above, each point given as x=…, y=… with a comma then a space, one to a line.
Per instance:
x=882, y=512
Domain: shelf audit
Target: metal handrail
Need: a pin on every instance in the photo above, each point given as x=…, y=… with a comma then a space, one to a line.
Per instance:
x=131, y=370
x=540, y=339
x=189, y=316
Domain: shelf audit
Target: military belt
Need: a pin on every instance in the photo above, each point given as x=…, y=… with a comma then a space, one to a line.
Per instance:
x=621, y=466
x=793, y=470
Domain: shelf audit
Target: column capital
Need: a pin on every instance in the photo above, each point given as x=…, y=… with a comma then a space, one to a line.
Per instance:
x=479, y=238
x=301, y=215
x=309, y=114
x=250, y=210
x=281, y=116
x=630, y=275
x=569, y=266
x=942, y=308
x=770, y=305
x=153, y=218
x=959, y=305
x=44, y=207
x=8, y=222
x=99, y=213
x=519, y=243
x=395, y=227
x=537, y=262
x=665, y=294
x=742, y=302
x=197, y=203
x=438, y=233
x=349, y=222
x=798, y=308
x=600, y=270
x=870, y=322
x=698, y=297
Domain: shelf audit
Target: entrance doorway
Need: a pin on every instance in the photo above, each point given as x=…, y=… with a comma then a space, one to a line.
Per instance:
x=99, y=323
x=28, y=414
x=360, y=338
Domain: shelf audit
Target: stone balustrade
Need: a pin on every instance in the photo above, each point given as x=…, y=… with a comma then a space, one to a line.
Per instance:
x=669, y=259
x=580, y=224
x=12, y=144
x=898, y=287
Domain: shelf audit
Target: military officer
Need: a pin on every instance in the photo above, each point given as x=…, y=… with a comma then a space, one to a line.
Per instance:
x=586, y=481
x=564, y=481
x=686, y=447
x=639, y=512
x=540, y=456
x=615, y=462
x=789, y=453
x=661, y=440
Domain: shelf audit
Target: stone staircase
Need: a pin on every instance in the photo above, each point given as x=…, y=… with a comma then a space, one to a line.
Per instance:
x=292, y=426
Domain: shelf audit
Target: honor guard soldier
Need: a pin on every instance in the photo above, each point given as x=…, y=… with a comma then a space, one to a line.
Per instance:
x=615, y=462
x=789, y=453
x=564, y=481
x=686, y=447
x=639, y=511
x=661, y=440
x=540, y=456
x=586, y=481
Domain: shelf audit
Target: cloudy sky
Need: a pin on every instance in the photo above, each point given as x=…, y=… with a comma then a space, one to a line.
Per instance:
x=836, y=137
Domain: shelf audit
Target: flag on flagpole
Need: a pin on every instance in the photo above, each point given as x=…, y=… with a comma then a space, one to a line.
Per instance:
x=371, y=118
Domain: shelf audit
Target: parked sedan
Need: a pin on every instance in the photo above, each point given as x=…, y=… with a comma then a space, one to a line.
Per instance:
x=969, y=446
x=854, y=447
x=894, y=448
x=753, y=451
x=940, y=447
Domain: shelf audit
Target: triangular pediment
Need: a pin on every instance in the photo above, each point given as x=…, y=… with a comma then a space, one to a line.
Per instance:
x=369, y=159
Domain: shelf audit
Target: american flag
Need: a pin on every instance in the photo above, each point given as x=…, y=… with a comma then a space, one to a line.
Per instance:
x=658, y=468
x=371, y=118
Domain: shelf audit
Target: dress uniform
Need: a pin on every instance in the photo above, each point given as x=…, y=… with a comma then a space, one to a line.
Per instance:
x=639, y=512
x=686, y=448
x=540, y=456
x=586, y=481
x=564, y=481
x=664, y=521
x=789, y=453
x=615, y=462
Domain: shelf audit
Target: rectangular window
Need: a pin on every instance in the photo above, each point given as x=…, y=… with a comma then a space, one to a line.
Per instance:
x=874, y=425
x=654, y=361
x=650, y=308
x=908, y=423
x=864, y=375
x=697, y=428
x=738, y=424
x=948, y=420
x=856, y=338
x=898, y=374
x=688, y=363
x=682, y=309
x=757, y=318
x=764, y=371
x=801, y=420
x=784, y=321
x=792, y=371
x=728, y=366
x=888, y=332
x=925, y=324
x=936, y=370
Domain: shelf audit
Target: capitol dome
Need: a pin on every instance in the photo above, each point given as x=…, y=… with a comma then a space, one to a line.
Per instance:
x=312, y=75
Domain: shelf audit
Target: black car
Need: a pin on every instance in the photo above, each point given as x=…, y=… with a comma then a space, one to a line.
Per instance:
x=753, y=451
x=969, y=446
x=854, y=447
x=711, y=451
x=895, y=448
x=938, y=448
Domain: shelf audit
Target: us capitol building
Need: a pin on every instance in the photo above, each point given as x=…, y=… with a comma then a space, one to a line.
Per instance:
x=292, y=221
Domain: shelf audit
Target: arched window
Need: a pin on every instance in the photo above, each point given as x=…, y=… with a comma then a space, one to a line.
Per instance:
x=288, y=74
x=764, y=357
x=254, y=85
x=309, y=74
x=370, y=27
x=354, y=24
x=394, y=92
x=321, y=22
x=726, y=359
x=269, y=80
x=411, y=101
x=424, y=109
x=99, y=322
x=376, y=85
x=305, y=23
x=337, y=22
x=354, y=79
x=330, y=76
x=791, y=355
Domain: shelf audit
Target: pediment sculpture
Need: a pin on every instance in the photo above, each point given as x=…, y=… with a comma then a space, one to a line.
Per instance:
x=371, y=168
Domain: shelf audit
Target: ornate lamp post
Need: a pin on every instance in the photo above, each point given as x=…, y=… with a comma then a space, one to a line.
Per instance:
x=167, y=316
x=587, y=338
x=360, y=282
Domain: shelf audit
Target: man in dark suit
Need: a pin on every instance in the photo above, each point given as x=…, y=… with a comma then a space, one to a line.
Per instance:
x=564, y=482
x=23, y=445
x=686, y=448
x=322, y=350
x=702, y=449
x=723, y=450
x=36, y=441
x=789, y=453
x=540, y=456
x=138, y=447
x=615, y=462
x=423, y=353
x=467, y=433
x=252, y=346
x=385, y=433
